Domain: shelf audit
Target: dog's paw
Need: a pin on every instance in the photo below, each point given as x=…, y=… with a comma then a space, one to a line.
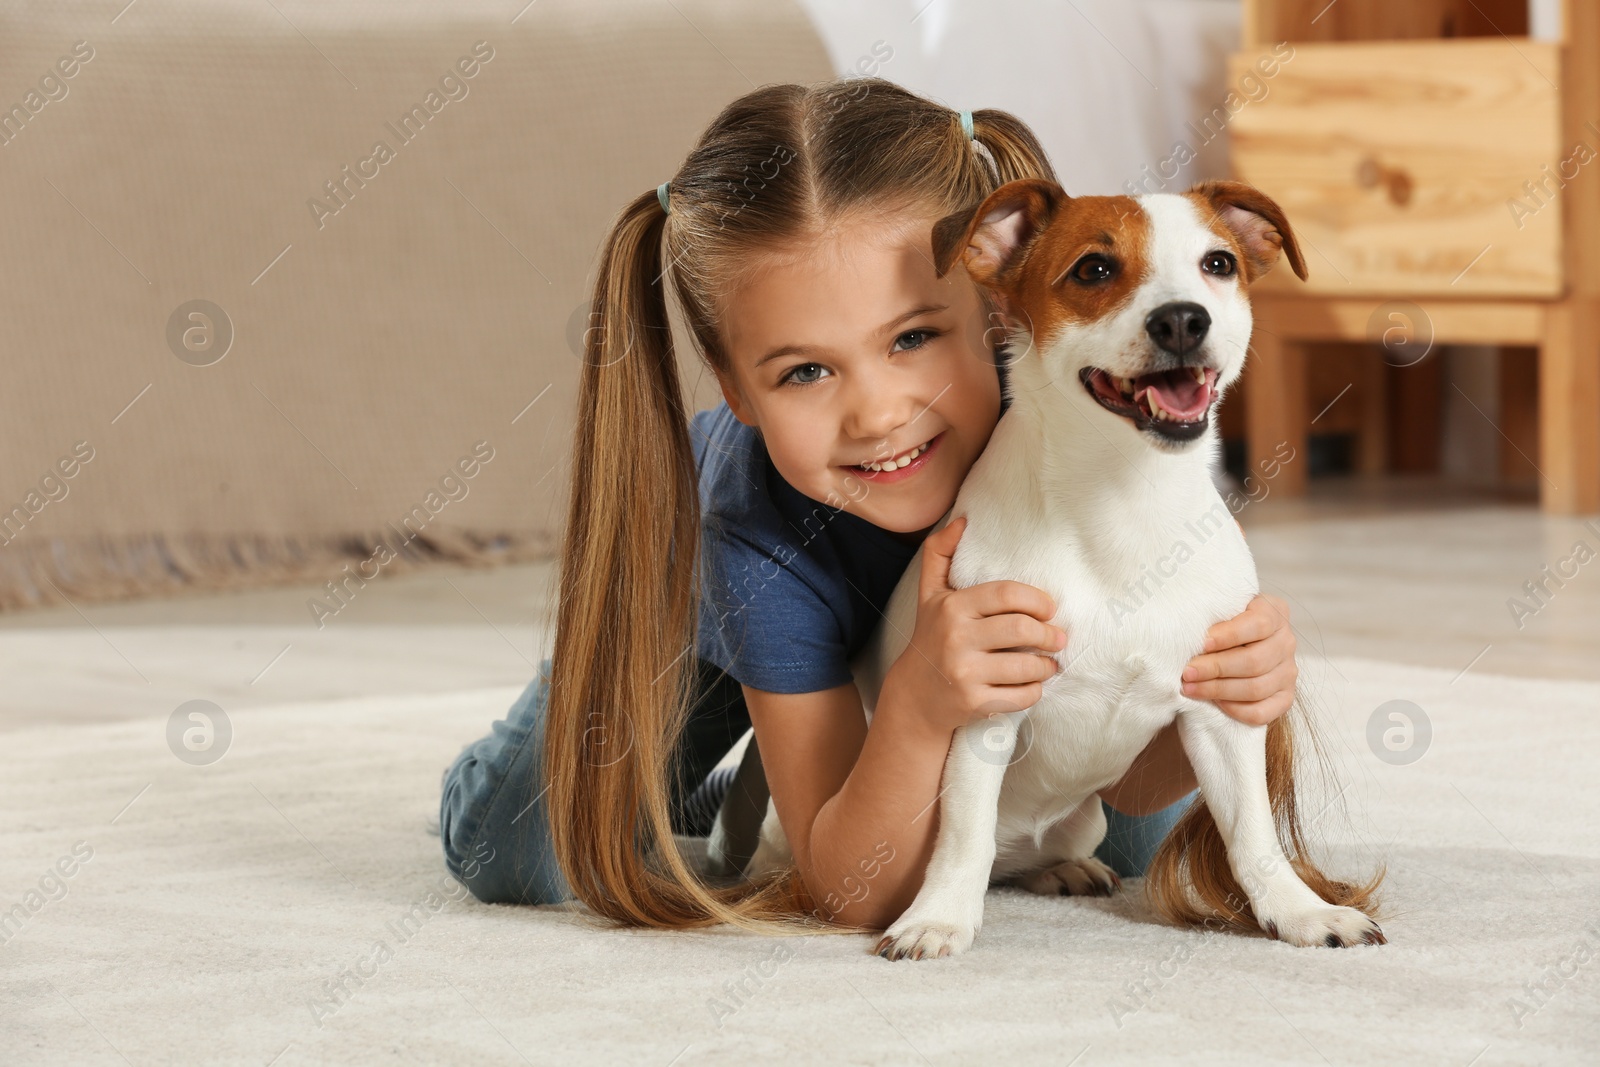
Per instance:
x=920, y=941
x=1073, y=878
x=1328, y=926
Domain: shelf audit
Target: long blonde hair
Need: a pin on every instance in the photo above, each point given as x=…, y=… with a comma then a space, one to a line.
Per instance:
x=777, y=165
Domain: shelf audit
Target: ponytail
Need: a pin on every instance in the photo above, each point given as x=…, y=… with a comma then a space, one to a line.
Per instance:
x=625, y=624
x=1014, y=150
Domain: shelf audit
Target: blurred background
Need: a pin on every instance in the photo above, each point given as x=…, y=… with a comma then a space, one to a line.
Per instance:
x=292, y=292
x=279, y=273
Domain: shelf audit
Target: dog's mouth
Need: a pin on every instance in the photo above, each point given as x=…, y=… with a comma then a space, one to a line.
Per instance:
x=1175, y=403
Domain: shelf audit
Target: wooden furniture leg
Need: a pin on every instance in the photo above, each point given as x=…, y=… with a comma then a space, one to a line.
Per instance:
x=1275, y=412
x=1372, y=438
x=1519, y=415
x=1416, y=414
x=1569, y=408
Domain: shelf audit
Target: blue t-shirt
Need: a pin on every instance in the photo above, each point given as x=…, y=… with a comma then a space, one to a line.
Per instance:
x=791, y=588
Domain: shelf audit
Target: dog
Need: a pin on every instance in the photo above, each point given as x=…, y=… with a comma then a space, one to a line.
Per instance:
x=1127, y=318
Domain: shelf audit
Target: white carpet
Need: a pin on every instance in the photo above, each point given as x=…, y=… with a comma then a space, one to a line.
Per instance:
x=219, y=908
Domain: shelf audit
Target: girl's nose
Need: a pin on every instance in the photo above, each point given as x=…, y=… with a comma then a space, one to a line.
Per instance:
x=875, y=412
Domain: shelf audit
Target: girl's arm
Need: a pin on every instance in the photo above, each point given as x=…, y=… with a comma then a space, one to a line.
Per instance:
x=856, y=802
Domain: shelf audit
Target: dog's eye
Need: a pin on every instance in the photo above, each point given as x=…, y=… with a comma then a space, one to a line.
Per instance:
x=1093, y=269
x=1222, y=264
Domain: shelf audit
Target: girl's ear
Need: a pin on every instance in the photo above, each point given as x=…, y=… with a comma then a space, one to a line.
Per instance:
x=735, y=398
x=949, y=239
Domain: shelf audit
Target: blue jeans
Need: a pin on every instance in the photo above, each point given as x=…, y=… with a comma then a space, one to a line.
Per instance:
x=496, y=829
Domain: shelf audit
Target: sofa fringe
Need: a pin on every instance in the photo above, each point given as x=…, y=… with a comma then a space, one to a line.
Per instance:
x=42, y=573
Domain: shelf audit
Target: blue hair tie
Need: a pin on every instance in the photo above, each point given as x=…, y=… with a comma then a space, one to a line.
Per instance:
x=966, y=125
x=661, y=195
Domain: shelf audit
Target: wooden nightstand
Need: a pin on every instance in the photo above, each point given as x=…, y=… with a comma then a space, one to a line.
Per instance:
x=1444, y=180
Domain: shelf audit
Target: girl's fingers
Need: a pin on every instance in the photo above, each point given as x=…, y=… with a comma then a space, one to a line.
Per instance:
x=1017, y=668
x=1019, y=631
x=938, y=548
x=1005, y=596
x=1279, y=681
x=1257, y=712
x=1254, y=658
x=1003, y=699
x=1246, y=661
x=1010, y=669
x=1260, y=618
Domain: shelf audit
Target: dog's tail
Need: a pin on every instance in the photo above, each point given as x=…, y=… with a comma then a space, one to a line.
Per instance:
x=1190, y=880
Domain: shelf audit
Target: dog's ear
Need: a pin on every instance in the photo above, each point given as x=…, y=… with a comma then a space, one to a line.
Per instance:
x=950, y=239
x=991, y=239
x=1256, y=221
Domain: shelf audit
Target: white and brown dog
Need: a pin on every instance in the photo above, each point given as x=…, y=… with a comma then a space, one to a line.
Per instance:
x=1128, y=318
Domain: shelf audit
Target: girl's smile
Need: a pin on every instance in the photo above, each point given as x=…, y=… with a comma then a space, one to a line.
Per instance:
x=850, y=354
x=905, y=464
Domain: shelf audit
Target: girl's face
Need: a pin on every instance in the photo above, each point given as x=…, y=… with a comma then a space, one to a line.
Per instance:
x=850, y=352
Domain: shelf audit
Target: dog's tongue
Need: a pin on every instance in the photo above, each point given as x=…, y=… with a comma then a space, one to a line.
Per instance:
x=1177, y=390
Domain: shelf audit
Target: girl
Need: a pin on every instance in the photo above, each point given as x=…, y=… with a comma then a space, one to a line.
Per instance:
x=720, y=572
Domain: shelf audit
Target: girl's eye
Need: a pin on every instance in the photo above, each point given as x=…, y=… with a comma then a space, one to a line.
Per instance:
x=804, y=374
x=923, y=337
x=1222, y=264
x=1093, y=269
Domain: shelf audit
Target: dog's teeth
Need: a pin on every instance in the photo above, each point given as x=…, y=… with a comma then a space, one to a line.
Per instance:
x=1199, y=374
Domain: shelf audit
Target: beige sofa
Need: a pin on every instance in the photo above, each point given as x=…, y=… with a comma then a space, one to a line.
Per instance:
x=282, y=281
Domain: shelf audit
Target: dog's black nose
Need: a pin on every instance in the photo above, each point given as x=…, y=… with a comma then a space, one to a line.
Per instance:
x=1178, y=327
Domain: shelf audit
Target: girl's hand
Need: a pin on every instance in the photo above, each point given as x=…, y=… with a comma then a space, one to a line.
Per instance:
x=967, y=658
x=1247, y=667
